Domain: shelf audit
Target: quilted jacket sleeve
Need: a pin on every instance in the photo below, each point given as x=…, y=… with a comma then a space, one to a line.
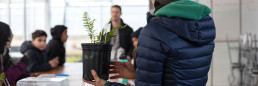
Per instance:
x=151, y=55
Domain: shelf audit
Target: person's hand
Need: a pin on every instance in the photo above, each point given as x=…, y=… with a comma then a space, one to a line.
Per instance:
x=98, y=81
x=128, y=58
x=54, y=62
x=26, y=55
x=56, y=59
x=122, y=70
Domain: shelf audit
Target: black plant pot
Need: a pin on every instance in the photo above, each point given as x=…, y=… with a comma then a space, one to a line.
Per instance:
x=97, y=57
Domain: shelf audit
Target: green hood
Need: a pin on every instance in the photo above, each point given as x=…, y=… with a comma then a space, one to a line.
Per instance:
x=184, y=9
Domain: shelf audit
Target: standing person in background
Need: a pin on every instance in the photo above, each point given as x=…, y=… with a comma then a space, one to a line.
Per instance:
x=123, y=38
x=55, y=47
x=175, y=48
x=35, y=49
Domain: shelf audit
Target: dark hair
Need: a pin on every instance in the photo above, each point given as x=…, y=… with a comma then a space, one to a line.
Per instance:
x=161, y=3
x=38, y=33
x=136, y=33
x=57, y=31
x=5, y=33
x=117, y=6
x=60, y=26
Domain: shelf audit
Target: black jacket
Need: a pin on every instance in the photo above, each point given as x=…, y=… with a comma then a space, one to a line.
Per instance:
x=38, y=59
x=55, y=48
x=125, y=40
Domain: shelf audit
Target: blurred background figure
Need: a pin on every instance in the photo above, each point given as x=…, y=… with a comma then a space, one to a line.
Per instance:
x=122, y=40
x=13, y=72
x=55, y=47
x=135, y=36
x=35, y=49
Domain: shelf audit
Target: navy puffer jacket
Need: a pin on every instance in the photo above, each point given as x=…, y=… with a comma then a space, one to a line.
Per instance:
x=175, y=51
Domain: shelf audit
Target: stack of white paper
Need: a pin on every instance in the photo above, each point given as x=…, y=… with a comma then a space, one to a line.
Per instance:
x=43, y=81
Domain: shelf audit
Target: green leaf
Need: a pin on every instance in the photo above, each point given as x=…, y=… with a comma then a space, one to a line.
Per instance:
x=2, y=77
x=88, y=23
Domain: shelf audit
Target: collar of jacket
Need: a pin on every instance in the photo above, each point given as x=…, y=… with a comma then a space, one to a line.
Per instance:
x=122, y=23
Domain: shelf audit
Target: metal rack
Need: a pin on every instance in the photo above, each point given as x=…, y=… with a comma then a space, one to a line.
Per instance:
x=247, y=64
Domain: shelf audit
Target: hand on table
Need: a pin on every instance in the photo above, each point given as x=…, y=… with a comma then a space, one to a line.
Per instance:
x=54, y=62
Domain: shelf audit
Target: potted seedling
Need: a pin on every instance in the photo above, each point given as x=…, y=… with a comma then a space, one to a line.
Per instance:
x=96, y=54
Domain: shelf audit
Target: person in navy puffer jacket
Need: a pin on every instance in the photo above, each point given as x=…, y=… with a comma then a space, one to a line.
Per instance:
x=175, y=48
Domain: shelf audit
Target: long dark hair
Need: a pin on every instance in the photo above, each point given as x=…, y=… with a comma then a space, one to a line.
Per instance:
x=5, y=34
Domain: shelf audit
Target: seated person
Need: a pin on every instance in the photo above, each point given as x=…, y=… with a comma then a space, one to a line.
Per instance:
x=135, y=36
x=55, y=47
x=35, y=49
x=13, y=72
